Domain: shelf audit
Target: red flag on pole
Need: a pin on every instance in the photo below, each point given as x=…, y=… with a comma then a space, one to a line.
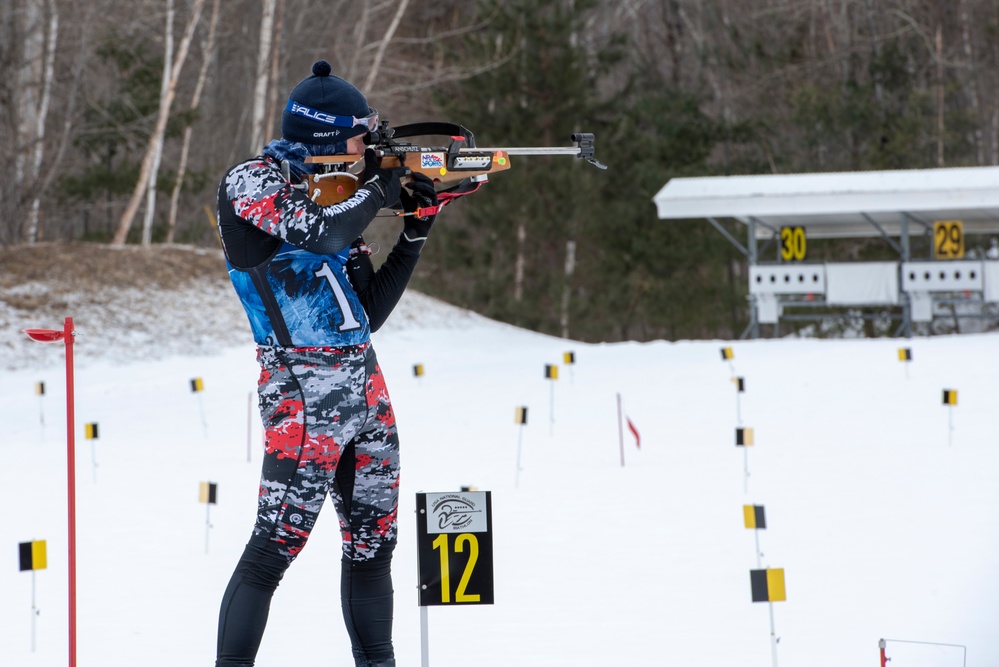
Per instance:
x=634, y=432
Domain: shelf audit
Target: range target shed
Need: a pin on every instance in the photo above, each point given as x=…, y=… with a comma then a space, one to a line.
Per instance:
x=780, y=213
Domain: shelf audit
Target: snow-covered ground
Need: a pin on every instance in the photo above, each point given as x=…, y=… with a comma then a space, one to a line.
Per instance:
x=882, y=504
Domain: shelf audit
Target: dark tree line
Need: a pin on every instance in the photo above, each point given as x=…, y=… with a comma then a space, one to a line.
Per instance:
x=669, y=87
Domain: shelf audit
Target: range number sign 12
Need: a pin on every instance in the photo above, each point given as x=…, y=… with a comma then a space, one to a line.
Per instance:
x=455, y=548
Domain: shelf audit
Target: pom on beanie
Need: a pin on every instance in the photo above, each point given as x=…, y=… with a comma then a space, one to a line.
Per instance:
x=321, y=109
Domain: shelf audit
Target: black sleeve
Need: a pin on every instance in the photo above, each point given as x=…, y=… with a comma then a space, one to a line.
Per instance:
x=381, y=290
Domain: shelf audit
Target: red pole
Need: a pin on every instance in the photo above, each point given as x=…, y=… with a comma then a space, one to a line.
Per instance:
x=67, y=337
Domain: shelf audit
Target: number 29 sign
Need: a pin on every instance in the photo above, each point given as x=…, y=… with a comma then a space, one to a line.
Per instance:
x=455, y=548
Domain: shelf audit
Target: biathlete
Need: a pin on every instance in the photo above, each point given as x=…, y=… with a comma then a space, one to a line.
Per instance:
x=304, y=276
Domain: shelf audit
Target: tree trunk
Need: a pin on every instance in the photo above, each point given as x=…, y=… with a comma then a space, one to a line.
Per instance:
x=28, y=91
x=570, y=269
x=272, y=95
x=520, y=262
x=263, y=68
x=43, y=110
x=940, y=96
x=209, y=47
x=147, y=223
x=360, y=42
x=146, y=171
x=972, y=84
x=382, y=45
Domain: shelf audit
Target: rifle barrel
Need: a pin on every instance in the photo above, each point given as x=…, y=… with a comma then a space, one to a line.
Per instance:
x=526, y=150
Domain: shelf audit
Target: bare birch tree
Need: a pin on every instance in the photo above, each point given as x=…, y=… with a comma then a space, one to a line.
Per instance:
x=261, y=80
x=29, y=76
x=206, y=60
x=383, y=43
x=147, y=223
x=155, y=140
x=32, y=232
x=272, y=95
x=31, y=106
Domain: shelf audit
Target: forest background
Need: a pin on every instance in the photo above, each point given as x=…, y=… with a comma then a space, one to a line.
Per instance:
x=118, y=118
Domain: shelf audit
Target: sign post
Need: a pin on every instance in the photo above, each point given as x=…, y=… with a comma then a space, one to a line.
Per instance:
x=520, y=417
x=950, y=400
x=755, y=518
x=905, y=356
x=740, y=388
x=551, y=373
x=197, y=387
x=455, y=552
x=66, y=336
x=208, y=493
x=744, y=439
x=91, y=432
x=768, y=586
x=32, y=556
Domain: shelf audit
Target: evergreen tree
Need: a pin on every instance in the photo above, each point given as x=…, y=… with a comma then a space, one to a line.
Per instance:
x=506, y=256
x=634, y=276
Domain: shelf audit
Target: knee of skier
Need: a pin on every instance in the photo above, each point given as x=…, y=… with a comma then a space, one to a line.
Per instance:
x=371, y=559
x=262, y=564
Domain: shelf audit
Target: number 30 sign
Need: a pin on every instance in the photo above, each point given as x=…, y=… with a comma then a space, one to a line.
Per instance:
x=455, y=547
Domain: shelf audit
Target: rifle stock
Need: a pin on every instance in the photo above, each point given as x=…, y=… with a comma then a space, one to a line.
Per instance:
x=432, y=163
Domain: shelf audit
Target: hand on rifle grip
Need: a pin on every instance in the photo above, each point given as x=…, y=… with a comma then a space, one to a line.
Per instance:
x=385, y=181
x=418, y=194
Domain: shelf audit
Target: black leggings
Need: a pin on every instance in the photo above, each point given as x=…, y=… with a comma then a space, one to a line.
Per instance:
x=365, y=597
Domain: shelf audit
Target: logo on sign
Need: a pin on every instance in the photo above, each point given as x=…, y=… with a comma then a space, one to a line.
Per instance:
x=431, y=160
x=457, y=513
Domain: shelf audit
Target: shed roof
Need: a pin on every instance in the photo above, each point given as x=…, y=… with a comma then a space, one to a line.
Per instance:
x=841, y=204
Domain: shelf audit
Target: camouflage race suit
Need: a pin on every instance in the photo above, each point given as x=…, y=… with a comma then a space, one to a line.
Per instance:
x=315, y=404
x=329, y=429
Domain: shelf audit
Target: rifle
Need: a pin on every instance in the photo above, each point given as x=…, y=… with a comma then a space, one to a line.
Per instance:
x=457, y=169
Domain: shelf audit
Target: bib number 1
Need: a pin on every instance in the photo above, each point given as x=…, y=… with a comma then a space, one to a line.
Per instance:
x=349, y=321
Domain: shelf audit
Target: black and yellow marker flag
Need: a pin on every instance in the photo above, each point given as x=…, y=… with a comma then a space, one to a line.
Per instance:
x=768, y=585
x=754, y=516
x=743, y=437
x=40, y=388
x=520, y=415
x=90, y=431
x=727, y=354
x=551, y=372
x=905, y=354
x=740, y=385
x=197, y=385
x=418, y=370
x=32, y=555
x=208, y=493
x=950, y=396
x=569, y=358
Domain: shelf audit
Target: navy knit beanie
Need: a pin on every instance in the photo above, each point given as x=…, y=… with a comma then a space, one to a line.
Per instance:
x=321, y=109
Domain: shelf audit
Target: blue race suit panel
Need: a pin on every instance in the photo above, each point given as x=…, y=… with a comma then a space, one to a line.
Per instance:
x=301, y=299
